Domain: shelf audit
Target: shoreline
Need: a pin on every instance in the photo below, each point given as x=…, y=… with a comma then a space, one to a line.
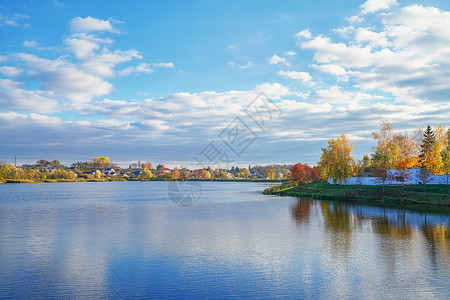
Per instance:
x=394, y=196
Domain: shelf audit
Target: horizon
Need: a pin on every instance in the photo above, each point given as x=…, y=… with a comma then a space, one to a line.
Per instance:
x=159, y=82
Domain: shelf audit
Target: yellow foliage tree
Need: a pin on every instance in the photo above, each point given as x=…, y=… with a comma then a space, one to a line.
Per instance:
x=336, y=160
x=147, y=174
x=271, y=173
x=439, y=145
x=101, y=161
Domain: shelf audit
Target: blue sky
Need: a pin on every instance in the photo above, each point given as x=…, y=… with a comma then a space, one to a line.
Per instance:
x=160, y=80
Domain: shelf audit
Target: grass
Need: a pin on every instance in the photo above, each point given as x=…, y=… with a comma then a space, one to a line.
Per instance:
x=393, y=195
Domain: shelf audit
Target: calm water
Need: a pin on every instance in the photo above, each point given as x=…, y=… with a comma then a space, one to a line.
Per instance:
x=127, y=240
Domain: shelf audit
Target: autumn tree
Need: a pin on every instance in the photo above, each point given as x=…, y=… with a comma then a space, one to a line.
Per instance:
x=271, y=173
x=439, y=145
x=302, y=173
x=425, y=176
x=101, y=162
x=97, y=174
x=445, y=156
x=381, y=165
x=147, y=174
x=147, y=165
x=336, y=160
x=385, y=147
x=403, y=153
x=160, y=169
x=396, y=149
x=244, y=173
x=175, y=173
x=184, y=173
x=203, y=174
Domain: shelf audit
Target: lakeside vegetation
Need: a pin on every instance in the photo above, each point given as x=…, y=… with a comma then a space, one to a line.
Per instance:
x=101, y=169
x=412, y=195
x=428, y=150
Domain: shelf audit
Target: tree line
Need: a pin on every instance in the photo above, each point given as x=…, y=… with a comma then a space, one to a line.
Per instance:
x=427, y=149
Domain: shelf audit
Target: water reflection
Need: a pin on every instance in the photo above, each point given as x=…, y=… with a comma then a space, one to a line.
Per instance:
x=396, y=229
x=121, y=242
x=300, y=210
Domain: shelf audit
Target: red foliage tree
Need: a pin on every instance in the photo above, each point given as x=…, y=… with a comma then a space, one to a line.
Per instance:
x=302, y=173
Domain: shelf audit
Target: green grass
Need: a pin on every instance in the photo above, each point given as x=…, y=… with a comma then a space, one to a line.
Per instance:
x=393, y=195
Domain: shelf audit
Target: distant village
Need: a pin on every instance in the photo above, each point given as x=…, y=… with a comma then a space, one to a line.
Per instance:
x=101, y=168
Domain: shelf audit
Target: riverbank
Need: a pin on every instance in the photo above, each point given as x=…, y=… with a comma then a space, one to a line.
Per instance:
x=413, y=195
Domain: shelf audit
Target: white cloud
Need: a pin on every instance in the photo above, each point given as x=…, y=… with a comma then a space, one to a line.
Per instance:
x=87, y=24
x=141, y=68
x=275, y=59
x=371, y=6
x=303, y=34
x=31, y=44
x=290, y=53
x=13, y=20
x=247, y=65
x=303, y=76
x=82, y=48
x=10, y=71
x=163, y=65
x=375, y=39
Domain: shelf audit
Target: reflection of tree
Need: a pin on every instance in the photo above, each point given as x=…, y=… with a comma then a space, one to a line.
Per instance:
x=337, y=218
x=300, y=210
x=341, y=223
x=385, y=227
x=438, y=238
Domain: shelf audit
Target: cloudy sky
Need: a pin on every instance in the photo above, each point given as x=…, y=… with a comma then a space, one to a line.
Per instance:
x=162, y=80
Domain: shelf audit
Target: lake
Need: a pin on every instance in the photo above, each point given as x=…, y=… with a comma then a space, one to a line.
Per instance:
x=128, y=240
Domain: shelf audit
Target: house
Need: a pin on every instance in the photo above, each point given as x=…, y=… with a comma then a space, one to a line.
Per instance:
x=109, y=171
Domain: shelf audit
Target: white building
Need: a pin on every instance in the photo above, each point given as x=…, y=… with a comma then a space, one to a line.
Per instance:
x=394, y=178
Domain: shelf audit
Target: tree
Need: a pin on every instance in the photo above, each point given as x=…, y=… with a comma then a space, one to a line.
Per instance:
x=55, y=163
x=160, y=169
x=271, y=173
x=175, y=173
x=385, y=146
x=445, y=155
x=203, y=174
x=101, y=162
x=381, y=168
x=403, y=172
x=425, y=176
x=147, y=165
x=439, y=145
x=244, y=173
x=302, y=173
x=7, y=171
x=336, y=160
x=185, y=173
x=42, y=163
x=404, y=153
x=147, y=174
x=97, y=174
x=427, y=146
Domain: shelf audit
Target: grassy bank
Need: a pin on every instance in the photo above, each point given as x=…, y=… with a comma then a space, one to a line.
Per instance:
x=413, y=195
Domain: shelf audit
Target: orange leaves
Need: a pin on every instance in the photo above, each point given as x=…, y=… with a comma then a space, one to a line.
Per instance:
x=302, y=173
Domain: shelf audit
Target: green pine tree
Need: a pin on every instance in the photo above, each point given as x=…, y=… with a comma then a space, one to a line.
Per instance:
x=426, y=154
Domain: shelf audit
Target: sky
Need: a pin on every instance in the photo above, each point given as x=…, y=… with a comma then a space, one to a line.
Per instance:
x=218, y=83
